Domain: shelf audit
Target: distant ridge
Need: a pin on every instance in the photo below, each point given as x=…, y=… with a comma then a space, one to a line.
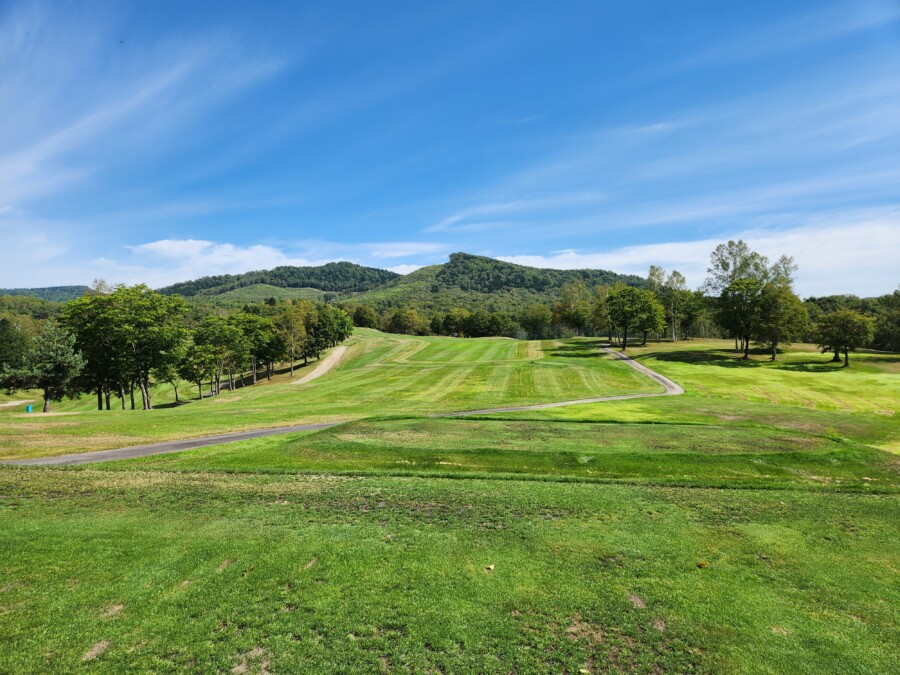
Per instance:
x=49, y=293
x=466, y=281
x=336, y=277
x=476, y=282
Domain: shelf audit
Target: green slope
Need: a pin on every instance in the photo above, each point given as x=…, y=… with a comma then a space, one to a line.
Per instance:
x=468, y=281
x=476, y=282
x=50, y=293
x=334, y=277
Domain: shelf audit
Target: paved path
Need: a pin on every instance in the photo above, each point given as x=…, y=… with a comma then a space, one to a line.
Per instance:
x=167, y=446
x=324, y=366
x=670, y=389
x=11, y=404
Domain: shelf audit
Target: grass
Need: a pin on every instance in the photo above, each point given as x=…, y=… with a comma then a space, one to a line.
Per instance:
x=660, y=454
x=238, y=297
x=746, y=526
x=325, y=574
x=381, y=374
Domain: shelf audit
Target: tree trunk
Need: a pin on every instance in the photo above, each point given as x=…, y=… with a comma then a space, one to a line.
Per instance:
x=774, y=350
x=122, y=393
x=132, y=396
x=145, y=394
x=645, y=338
x=846, y=358
x=106, y=394
x=625, y=338
x=175, y=387
x=46, y=401
x=254, y=370
x=199, y=390
x=837, y=356
x=99, y=398
x=746, y=347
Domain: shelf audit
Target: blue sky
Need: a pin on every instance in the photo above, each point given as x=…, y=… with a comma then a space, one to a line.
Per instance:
x=161, y=141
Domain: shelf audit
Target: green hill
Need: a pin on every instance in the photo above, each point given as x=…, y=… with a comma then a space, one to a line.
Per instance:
x=339, y=277
x=467, y=281
x=50, y=293
x=476, y=282
x=257, y=293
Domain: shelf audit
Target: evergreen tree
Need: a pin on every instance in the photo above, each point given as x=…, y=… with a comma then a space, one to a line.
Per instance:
x=50, y=365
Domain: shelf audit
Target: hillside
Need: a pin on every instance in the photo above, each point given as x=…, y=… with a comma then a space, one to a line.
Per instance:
x=50, y=293
x=476, y=282
x=468, y=281
x=257, y=293
x=339, y=277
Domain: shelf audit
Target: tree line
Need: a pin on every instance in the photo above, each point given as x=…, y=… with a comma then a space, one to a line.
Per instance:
x=114, y=342
x=128, y=339
x=745, y=297
x=334, y=277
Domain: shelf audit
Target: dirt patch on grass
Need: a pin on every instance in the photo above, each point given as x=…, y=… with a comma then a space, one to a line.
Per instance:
x=95, y=651
x=254, y=661
x=579, y=630
x=225, y=565
x=637, y=601
x=113, y=610
x=310, y=563
x=43, y=414
x=32, y=426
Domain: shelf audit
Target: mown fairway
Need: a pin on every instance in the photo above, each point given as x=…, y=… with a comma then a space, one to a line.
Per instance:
x=381, y=374
x=749, y=525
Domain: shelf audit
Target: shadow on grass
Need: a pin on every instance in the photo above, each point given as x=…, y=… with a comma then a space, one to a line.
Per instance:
x=585, y=348
x=730, y=359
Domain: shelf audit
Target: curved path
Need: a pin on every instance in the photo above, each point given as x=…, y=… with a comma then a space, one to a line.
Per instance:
x=670, y=389
x=324, y=366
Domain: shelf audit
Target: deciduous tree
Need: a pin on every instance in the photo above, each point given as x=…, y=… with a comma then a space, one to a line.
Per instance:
x=844, y=331
x=782, y=317
x=536, y=319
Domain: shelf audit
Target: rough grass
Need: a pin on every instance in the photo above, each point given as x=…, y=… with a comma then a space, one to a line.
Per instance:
x=747, y=526
x=681, y=454
x=323, y=574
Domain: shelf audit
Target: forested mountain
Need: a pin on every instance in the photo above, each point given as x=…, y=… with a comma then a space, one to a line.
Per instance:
x=486, y=275
x=51, y=293
x=466, y=281
x=339, y=277
x=475, y=282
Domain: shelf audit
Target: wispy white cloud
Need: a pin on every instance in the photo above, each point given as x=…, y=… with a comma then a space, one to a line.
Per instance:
x=462, y=221
x=405, y=269
x=803, y=29
x=62, y=128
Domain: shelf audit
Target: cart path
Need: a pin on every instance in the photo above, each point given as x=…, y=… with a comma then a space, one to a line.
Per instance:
x=167, y=446
x=324, y=366
x=670, y=389
x=12, y=404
